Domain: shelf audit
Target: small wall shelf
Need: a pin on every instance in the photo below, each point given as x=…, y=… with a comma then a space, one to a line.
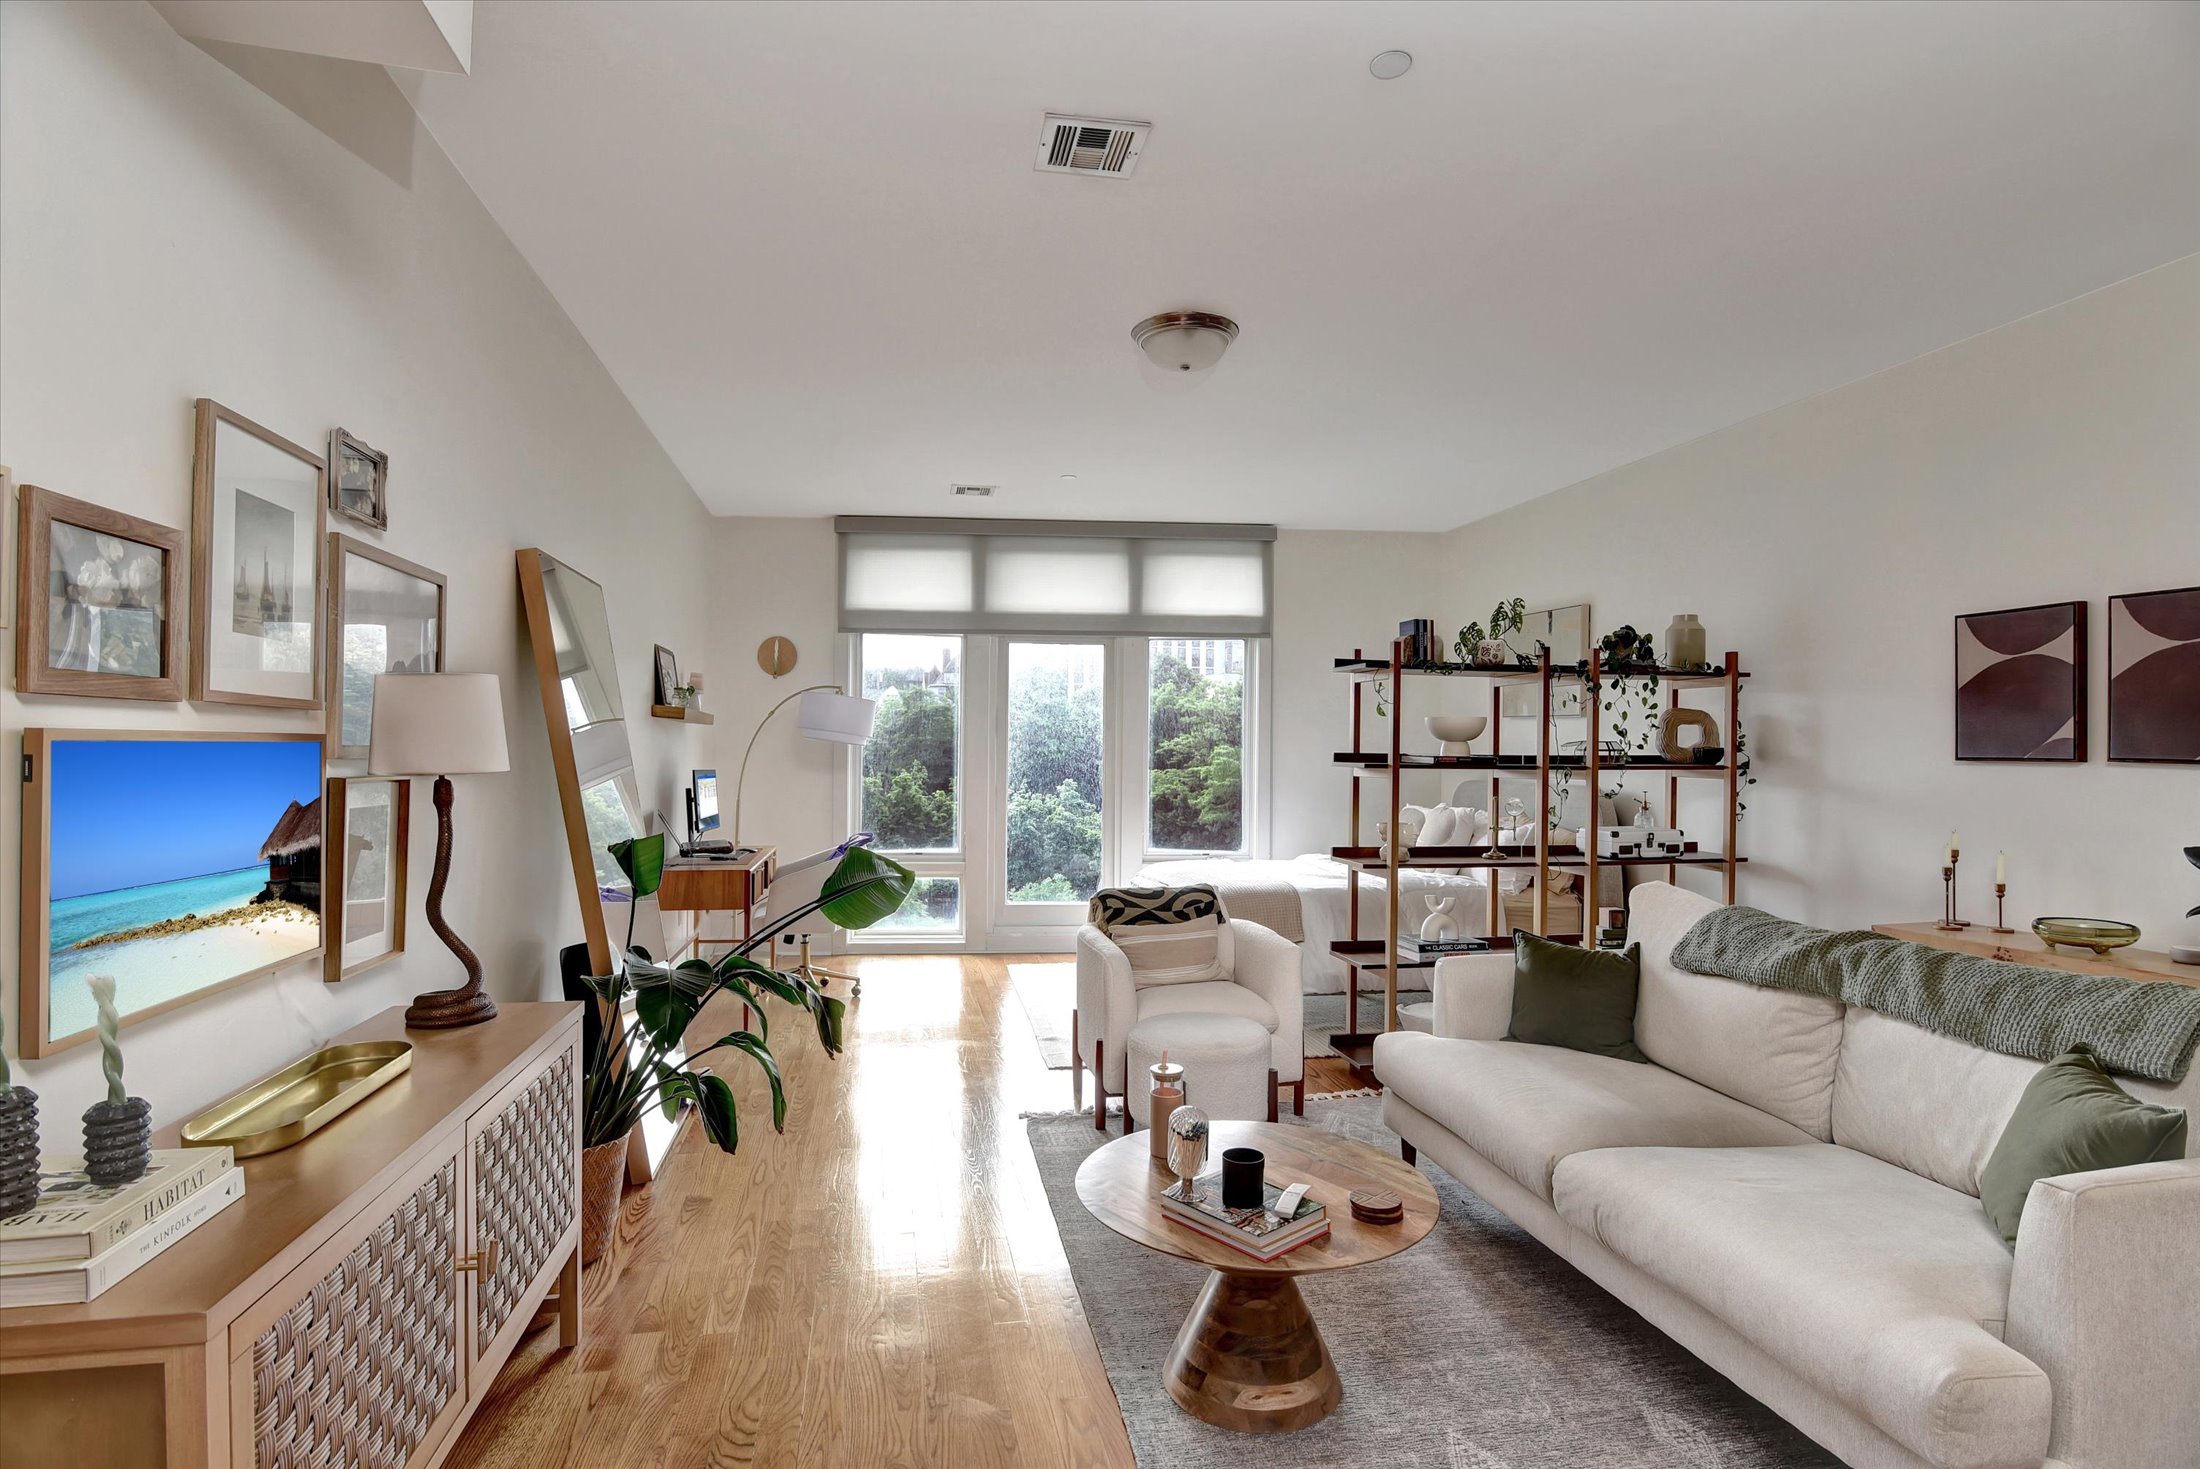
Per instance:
x=675, y=711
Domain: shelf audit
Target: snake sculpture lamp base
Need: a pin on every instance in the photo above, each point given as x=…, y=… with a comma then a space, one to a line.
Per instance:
x=469, y=1004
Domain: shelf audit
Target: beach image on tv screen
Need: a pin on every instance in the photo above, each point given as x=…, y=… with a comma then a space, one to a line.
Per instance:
x=174, y=865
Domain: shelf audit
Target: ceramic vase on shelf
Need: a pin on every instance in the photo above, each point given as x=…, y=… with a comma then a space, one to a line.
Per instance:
x=1684, y=642
x=118, y=1131
x=18, y=1143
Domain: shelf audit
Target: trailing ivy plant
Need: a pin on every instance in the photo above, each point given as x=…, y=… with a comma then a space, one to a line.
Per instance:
x=626, y=1071
x=1628, y=663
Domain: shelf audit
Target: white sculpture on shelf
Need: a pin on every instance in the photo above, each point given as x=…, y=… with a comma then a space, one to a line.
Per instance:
x=1439, y=924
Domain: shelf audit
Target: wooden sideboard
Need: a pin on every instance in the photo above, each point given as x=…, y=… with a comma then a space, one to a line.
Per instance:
x=2025, y=947
x=354, y=1306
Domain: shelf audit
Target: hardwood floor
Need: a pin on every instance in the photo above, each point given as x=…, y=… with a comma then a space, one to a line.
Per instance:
x=881, y=1285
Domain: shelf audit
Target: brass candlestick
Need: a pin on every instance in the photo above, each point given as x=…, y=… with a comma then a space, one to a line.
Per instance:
x=1948, y=921
x=2001, y=890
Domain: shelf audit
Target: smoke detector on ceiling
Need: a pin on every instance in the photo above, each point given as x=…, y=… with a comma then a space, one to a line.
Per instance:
x=981, y=491
x=1090, y=145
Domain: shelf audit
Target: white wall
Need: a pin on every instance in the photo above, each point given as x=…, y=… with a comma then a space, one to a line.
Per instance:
x=1834, y=541
x=171, y=230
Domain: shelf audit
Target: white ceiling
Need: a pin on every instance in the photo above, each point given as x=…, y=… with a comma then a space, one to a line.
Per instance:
x=808, y=242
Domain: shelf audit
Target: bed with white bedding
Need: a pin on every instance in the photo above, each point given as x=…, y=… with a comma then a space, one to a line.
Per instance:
x=1249, y=889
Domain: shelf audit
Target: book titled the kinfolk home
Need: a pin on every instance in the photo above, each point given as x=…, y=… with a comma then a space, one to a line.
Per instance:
x=75, y=1219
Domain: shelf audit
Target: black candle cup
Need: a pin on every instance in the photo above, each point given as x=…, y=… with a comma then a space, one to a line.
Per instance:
x=1241, y=1178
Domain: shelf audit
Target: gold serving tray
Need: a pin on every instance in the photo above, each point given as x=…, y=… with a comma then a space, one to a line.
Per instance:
x=299, y=1100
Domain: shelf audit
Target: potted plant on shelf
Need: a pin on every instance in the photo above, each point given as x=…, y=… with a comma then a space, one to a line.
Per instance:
x=630, y=1067
x=1490, y=649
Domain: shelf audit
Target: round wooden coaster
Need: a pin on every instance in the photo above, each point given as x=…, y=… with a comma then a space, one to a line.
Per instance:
x=1377, y=1206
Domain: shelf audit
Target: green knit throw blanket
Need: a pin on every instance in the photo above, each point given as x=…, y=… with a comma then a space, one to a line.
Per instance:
x=2136, y=1027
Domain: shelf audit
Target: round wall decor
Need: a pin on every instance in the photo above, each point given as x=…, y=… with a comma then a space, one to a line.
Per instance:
x=776, y=656
x=1679, y=722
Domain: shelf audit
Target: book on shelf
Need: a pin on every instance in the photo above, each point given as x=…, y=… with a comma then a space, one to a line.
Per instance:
x=1262, y=1233
x=73, y=1282
x=75, y=1219
x=1413, y=946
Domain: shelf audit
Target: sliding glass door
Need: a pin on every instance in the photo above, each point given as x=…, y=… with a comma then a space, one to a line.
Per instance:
x=1053, y=835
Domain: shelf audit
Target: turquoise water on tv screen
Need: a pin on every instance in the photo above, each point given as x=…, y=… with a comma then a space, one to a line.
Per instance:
x=73, y=920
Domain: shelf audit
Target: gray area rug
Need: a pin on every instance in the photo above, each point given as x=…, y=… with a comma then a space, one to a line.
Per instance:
x=1476, y=1349
x=1324, y=1016
x=1048, y=993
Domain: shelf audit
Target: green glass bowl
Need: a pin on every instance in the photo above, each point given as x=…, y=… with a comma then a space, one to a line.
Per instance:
x=2098, y=934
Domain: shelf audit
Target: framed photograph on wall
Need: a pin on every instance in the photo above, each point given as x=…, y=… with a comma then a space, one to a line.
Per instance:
x=257, y=524
x=7, y=543
x=179, y=863
x=2020, y=684
x=667, y=677
x=369, y=834
x=99, y=601
x=388, y=619
x=2154, y=677
x=358, y=481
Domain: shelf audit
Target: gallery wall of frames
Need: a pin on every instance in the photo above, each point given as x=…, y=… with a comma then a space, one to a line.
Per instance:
x=186, y=862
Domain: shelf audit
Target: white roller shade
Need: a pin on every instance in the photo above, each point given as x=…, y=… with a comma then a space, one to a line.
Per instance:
x=1041, y=576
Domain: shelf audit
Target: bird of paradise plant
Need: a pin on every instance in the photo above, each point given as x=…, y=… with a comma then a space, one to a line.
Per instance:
x=630, y=1070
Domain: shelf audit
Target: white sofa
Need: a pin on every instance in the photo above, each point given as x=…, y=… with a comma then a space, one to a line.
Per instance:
x=1789, y=1190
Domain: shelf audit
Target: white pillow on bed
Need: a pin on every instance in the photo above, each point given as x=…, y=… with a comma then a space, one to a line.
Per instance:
x=1437, y=827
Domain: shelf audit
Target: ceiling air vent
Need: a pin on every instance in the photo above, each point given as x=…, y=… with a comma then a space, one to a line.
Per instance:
x=981, y=491
x=1092, y=145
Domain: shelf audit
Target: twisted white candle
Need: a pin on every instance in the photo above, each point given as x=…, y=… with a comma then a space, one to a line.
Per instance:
x=110, y=1047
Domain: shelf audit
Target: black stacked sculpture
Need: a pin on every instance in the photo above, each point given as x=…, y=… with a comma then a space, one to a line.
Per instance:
x=18, y=1145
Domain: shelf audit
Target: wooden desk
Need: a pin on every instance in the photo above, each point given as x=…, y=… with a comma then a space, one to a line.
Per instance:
x=704, y=885
x=393, y=1260
x=2025, y=947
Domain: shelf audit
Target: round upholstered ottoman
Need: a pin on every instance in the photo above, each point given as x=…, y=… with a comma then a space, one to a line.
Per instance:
x=1226, y=1061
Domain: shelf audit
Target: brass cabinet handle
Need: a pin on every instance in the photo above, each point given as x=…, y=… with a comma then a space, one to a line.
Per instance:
x=483, y=1261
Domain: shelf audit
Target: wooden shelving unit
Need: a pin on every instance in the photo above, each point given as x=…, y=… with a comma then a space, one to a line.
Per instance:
x=681, y=713
x=1371, y=954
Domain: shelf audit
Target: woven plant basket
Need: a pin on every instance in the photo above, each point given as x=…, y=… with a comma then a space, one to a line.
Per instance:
x=603, y=1180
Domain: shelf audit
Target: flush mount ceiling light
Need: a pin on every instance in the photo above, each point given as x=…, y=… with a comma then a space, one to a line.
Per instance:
x=1184, y=341
x=1388, y=66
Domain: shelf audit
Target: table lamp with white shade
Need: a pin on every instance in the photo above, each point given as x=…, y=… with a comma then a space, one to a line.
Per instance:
x=827, y=713
x=441, y=724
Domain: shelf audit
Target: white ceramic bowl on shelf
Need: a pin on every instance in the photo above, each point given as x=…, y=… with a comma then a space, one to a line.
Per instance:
x=1455, y=732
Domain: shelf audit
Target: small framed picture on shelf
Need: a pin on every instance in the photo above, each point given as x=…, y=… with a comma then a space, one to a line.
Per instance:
x=389, y=619
x=2020, y=684
x=667, y=677
x=358, y=481
x=2154, y=677
x=363, y=909
x=99, y=601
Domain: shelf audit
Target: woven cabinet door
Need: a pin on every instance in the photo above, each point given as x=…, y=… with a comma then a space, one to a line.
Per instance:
x=524, y=1155
x=364, y=1368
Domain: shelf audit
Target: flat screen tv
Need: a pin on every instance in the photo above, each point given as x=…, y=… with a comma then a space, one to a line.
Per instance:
x=181, y=864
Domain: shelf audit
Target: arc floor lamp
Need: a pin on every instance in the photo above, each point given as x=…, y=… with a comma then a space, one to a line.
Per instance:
x=828, y=713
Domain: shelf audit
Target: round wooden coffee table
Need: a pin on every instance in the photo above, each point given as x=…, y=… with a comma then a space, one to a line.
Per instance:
x=1249, y=1356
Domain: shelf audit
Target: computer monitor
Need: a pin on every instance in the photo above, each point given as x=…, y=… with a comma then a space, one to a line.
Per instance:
x=702, y=801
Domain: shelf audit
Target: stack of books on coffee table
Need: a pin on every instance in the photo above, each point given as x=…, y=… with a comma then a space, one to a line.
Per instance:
x=80, y=1238
x=1262, y=1233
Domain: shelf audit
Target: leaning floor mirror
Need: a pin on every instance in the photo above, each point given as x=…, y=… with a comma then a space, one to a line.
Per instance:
x=589, y=750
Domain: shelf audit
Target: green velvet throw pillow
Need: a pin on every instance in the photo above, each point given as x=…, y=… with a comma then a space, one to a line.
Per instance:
x=2072, y=1118
x=1582, y=999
